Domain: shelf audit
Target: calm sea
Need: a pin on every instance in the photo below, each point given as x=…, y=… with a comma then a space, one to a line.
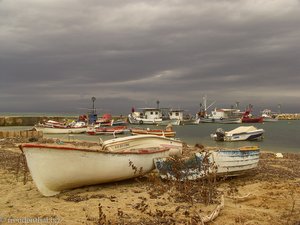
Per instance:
x=281, y=136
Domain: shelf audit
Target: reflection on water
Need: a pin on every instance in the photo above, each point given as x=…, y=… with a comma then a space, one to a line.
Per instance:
x=281, y=136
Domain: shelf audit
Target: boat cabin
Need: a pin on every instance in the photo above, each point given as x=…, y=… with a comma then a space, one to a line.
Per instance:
x=151, y=113
x=225, y=113
x=176, y=114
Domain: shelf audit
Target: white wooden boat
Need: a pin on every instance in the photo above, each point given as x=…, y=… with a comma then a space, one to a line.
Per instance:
x=168, y=132
x=222, y=162
x=147, y=116
x=53, y=127
x=143, y=141
x=61, y=130
x=59, y=167
x=222, y=116
x=111, y=130
x=242, y=133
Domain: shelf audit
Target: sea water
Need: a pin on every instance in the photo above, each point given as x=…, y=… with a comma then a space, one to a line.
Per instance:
x=281, y=136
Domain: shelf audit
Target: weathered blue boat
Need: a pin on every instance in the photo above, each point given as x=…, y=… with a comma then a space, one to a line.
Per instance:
x=221, y=162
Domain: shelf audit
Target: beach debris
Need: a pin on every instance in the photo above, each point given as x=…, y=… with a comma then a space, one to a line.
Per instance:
x=278, y=155
x=215, y=213
x=242, y=198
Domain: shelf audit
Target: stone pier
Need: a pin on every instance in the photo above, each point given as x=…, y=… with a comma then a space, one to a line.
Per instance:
x=29, y=120
x=21, y=133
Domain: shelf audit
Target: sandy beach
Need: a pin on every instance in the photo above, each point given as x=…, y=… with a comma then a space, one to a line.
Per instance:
x=269, y=195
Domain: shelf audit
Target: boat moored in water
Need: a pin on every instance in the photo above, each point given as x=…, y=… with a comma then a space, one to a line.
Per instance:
x=242, y=133
x=54, y=127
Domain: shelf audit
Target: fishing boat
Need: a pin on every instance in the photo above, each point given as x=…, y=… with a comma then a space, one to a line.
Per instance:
x=218, y=115
x=177, y=117
x=230, y=116
x=242, y=133
x=57, y=167
x=147, y=116
x=248, y=118
x=54, y=127
x=99, y=130
x=168, y=132
x=269, y=116
x=143, y=141
x=105, y=120
x=219, y=162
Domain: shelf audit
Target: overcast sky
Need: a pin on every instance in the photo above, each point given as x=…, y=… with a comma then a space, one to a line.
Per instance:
x=56, y=54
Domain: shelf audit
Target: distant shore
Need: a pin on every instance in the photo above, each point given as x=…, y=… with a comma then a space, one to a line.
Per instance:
x=270, y=195
x=30, y=120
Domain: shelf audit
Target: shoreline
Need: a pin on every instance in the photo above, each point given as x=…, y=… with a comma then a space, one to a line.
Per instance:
x=270, y=195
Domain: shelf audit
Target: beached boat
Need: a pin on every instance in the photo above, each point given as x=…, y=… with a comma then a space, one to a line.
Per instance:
x=99, y=130
x=168, y=132
x=143, y=141
x=219, y=162
x=54, y=127
x=59, y=167
x=242, y=133
x=248, y=118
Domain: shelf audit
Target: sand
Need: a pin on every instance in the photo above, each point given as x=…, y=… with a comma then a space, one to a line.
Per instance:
x=269, y=195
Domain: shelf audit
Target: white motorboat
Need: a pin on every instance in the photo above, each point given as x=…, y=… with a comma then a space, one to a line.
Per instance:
x=242, y=133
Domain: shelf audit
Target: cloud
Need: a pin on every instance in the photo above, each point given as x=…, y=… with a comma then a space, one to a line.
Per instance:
x=135, y=52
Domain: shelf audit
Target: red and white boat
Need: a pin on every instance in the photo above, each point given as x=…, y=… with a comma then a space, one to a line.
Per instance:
x=248, y=118
x=159, y=132
x=105, y=120
x=54, y=127
x=99, y=130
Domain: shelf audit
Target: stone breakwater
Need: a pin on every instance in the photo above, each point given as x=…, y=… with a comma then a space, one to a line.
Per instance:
x=28, y=120
x=21, y=134
x=289, y=116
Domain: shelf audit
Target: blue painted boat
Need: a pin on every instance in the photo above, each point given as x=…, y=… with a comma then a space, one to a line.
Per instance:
x=222, y=162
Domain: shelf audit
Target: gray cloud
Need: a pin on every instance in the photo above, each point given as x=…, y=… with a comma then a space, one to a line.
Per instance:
x=55, y=55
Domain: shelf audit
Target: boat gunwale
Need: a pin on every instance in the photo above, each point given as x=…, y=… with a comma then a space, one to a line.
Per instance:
x=135, y=151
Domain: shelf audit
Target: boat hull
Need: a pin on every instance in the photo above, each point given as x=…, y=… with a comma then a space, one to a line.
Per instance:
x=245, y=137
x=221, y=163
x=252, y=120
x=138, y=120
x=54, y=130
x=56, y=168
x=143, y=141
x=164, y=133
x=106, y=130
x=223, y=120
x=243, y=133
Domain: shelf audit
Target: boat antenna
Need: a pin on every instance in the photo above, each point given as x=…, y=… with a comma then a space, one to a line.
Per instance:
x=157, y=104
